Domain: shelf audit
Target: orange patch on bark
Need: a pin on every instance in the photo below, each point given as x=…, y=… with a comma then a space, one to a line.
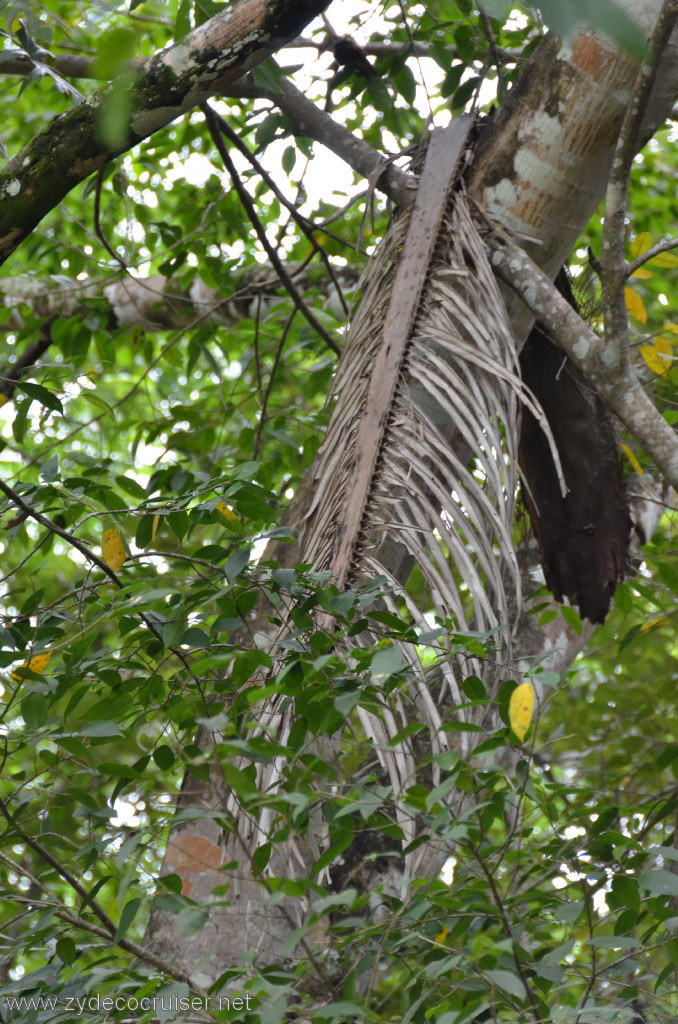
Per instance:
x=591, y=56
x=191, y=854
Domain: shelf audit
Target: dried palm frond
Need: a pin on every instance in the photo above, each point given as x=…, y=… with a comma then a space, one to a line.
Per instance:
x=416, y=386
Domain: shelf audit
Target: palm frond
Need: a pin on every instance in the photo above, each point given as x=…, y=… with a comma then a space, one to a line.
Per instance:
x=421, y=451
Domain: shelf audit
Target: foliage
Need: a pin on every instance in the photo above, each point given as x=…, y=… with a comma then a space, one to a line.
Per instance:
x=563, y=899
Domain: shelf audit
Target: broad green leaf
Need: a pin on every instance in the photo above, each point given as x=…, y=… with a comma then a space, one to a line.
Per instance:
x=508, y=982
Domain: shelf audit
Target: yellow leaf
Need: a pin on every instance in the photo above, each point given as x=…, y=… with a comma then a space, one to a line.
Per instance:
x=37, y=664
x=113, y=550
x=640, y=243
x=632, y=459
x=642, y=273
x=441, y=936
x=672, y=328
x=635, y=305
x=658, y=356
x=521, y=707
x=3, y=399
x=651, y=624
x=156, y=520
x=228, y=514
x=665, y=259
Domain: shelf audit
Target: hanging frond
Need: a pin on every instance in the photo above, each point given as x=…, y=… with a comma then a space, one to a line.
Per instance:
x=421, y=451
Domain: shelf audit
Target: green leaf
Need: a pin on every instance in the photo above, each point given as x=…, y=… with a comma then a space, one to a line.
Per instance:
x=66, y=949
x=191, y=920
x=173, y=632
x=129, y=912
x=182, y=24
x=267, y=75
x=195, y=637
x=568, y=912
x=336, y=1010
x=386, y=662
x=572, y=618
x=34, y=709
x=626, y=893
x=41, y=394
x=236, y=563
x=164, y=757
x=101, y=729
x=508, y=982
x=659, y=882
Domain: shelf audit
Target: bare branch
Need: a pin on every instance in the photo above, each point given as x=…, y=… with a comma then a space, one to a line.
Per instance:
x=305, y=225
x=308, y=119
x=68, y=65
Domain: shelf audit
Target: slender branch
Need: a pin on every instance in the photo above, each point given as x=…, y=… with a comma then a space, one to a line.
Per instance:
x=66, y=64
x=76, y=921
x=506, y=927
x=251, y=212
x=617, y=384
x=17, y=500
x=28, y=357
x=99, y=231
x=418, y=48
x=63, y=872
x=493, y=51
x=645, y=257
x=269, y=386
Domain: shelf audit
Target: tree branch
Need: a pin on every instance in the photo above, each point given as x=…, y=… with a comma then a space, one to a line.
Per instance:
x=305, y=225
x=645, y=257
x=617, y=384
x=165, y=86
x=308, y=119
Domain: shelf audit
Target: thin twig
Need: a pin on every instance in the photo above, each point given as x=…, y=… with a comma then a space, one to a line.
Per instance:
x=269, y=386
x=494, y=52
x=97, y=222
x=63, y=872
x=308, y=119
x=28, y=357
x=645, y=257
x=304, y=223
x=251, y=212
